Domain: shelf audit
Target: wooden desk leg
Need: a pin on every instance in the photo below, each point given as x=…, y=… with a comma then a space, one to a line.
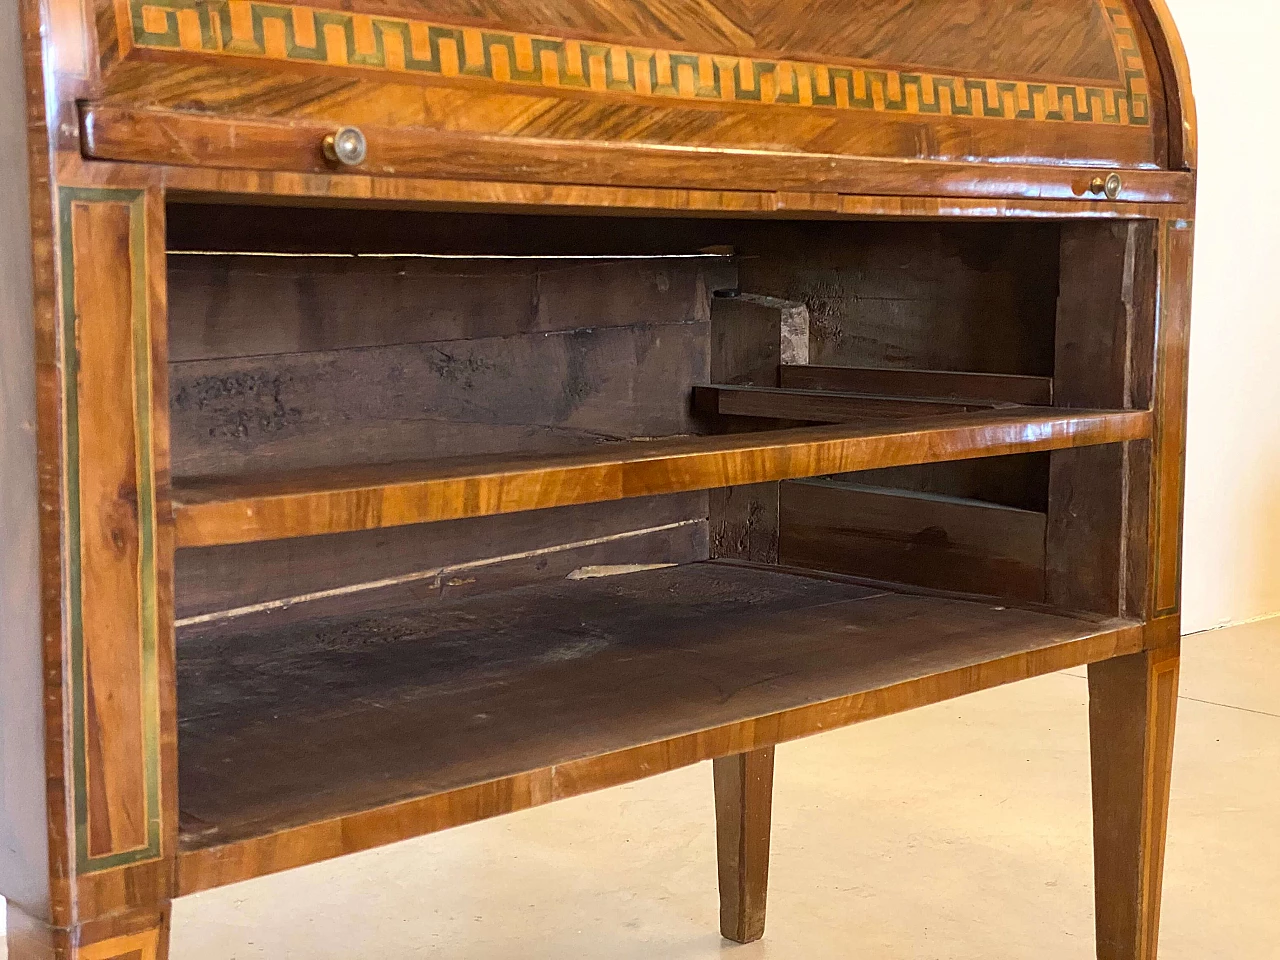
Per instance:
x=1132, y=702
x=744, y=801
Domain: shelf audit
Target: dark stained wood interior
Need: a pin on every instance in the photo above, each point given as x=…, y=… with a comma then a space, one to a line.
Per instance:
x=447, y=560
x=926, y=539
x=299, y=721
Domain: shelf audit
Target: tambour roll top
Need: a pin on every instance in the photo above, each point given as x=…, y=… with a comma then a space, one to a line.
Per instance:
x=1024, y=82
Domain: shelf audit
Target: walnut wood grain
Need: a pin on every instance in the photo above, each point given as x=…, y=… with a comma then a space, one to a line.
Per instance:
x=506, y=195
x=165, y=137
x=715, y=659
x=239, y=511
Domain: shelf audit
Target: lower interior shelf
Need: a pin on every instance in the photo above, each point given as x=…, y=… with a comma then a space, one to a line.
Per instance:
x=286, y=722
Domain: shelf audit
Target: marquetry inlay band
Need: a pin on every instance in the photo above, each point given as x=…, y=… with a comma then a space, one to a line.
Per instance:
x=300, y=34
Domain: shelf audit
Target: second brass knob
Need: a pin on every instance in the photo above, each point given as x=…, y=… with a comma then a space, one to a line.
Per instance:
x=346, y=146
x=1109, y=187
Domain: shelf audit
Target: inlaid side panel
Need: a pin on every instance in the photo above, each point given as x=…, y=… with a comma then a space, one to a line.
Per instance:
x=111, y=530
x=1171, y=414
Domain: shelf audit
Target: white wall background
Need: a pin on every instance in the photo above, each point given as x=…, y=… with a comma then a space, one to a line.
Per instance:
x=1232, y=563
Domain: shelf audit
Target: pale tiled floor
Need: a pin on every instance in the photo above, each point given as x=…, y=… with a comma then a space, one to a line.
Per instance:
x=959, y=831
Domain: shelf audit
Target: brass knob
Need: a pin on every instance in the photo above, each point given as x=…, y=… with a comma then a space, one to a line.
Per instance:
x=346, y=146
x=1110, y=187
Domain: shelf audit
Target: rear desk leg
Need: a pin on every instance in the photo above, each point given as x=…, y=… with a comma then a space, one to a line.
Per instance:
x=1132, y=702
x=744, y=799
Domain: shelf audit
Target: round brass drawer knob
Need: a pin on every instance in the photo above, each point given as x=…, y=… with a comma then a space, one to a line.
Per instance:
x=1109, y=187
x=346, y=146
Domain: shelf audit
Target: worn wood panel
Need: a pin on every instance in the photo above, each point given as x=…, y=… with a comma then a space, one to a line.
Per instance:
x=1106, y=314
x=937, y=297
x=744, y=522
x=112, y=485
x=461, y=552
x=427, y=400
x=746, y=341
x=511, y=652
x=238, y=306
x=922, y=539
x=673, y=651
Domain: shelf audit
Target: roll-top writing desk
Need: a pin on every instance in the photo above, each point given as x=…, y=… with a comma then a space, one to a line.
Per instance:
x=419, y=410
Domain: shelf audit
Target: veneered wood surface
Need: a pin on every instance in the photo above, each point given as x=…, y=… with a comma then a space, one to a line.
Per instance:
x=195, y=184
x=1175, y=82
x=744, y=807
x=1170, y=440
x=674, y=666
x=168, y=137
x=217, y=511
x=140, y=935
x=1055, y=80
x=115, y=704
x=1132, y=707
x=928, y=540
x=1050, y=38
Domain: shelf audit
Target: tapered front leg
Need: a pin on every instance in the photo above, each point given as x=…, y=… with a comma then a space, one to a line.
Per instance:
x=744, y=801
x=1132, y=703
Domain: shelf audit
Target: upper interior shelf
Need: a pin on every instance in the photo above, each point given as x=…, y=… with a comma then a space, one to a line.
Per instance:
x=1010, y=81
x=223, y=510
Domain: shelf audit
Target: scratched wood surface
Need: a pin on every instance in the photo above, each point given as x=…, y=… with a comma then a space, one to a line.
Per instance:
x=667, y=652
x=447, y=560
